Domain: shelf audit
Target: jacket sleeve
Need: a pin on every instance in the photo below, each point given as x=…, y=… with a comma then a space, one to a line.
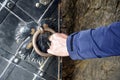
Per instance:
x=95, y=43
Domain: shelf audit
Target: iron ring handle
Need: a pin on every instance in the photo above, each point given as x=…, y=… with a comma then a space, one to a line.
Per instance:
x=34, y=39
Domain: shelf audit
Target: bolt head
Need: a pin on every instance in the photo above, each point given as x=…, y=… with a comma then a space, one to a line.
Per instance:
x=10, y=4
x=20, y=52
x=37, y=5
x=41, y=74
x=16, y=60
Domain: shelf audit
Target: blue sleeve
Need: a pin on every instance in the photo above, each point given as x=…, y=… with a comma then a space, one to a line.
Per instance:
x=95, y=43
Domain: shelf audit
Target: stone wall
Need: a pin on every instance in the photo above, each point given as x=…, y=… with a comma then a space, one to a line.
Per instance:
x=84, y=14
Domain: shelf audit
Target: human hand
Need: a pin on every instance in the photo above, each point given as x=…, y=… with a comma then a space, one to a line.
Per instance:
x=58, y=45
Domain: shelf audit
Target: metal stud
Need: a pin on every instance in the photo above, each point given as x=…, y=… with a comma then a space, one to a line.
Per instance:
x=9, y=4
x=44, y=2
x=16, y=60
x=37, y=5
x=41, y=73
x=20, y=52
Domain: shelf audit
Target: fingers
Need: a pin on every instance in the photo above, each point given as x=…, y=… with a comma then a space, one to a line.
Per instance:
x=51, y=46
x=49, y=51
x=58, y=44
x=57, y=36
x=51, y=37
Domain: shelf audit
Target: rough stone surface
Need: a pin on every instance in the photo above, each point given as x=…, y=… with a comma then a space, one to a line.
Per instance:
x=84, y=14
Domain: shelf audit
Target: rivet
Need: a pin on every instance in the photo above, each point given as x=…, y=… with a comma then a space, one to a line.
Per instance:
x=41, y=74
x=9, y=5
x=44, y=2
x=37, y=5
x=16, y=60
x=20, y=52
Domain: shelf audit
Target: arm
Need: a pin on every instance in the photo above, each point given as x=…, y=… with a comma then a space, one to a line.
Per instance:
x=95, y=43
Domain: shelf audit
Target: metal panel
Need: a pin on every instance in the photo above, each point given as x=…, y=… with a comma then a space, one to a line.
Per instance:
x=13, y=14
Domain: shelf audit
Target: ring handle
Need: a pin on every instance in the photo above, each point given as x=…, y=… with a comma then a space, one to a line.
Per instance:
x=34, y=39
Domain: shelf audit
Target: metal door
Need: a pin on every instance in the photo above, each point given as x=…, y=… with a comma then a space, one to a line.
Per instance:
x=23, y=15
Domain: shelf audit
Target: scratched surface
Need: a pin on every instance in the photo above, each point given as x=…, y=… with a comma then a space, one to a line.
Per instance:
x=13, y=67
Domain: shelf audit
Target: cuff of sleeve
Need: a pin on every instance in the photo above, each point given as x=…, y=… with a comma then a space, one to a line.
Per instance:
x=72, y=46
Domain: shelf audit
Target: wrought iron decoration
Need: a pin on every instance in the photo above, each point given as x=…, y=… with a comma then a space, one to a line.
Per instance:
x=25, y=33
x=31, y=35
